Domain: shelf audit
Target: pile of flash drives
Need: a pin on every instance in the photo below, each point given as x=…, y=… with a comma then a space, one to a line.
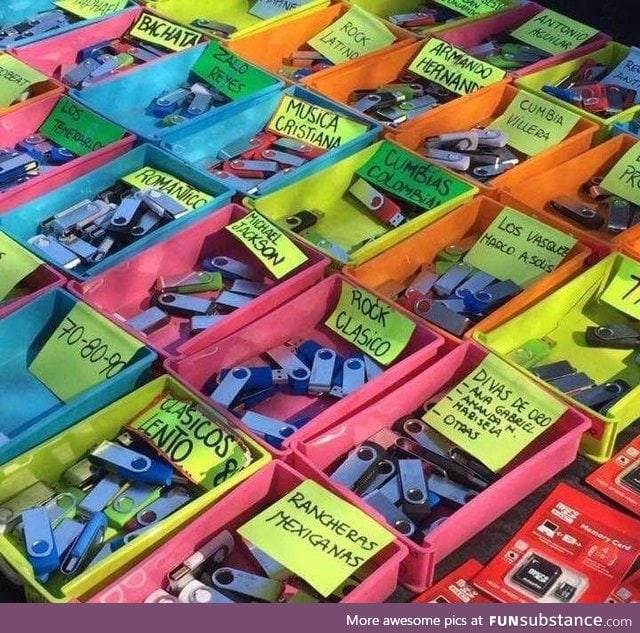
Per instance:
x=453, y=294
x=104, y=502
x=30, y=157
x=208, y=577
x=203, y=297
x=302, y=63
x=86, y=233
x=36, y=25
x=429, y=14
x=413, y=476
x=304, y=368
x=503, y=51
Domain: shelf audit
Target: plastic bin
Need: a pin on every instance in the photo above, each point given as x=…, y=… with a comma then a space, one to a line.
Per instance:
x=566, y=180
x=199, y=145
x=345, y=222
x=563, y=316
x=300, y=318
x=626, y=126
x=181, y=253
x=14, y=11
x=126, y=99
x=31, y=412
x=22, y=222
x=22, y=122
x=612, y=54
x=263, y=489
x=542, y=460
x=48, y=461
x=479, y=110
x=400, y=263
x=268, y=48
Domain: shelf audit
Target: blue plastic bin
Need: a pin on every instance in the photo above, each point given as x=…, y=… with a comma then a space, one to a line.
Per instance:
x=23, y=222
x=14, y=11
x=30, y=413
x=200, y=144
x=127, y=99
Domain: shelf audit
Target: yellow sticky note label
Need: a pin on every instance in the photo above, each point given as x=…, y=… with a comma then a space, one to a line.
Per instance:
x=16, y=263
x=317, y=536
x=180, y=191
x=195, y=442
x=16, y=78
x=268, y=243
x=454, y=69
x=89, y=9
x=83, y=351
x=494, y=413
x=164, y=33
x=534, y=124
x=623, y=291
x=355, y=34
x=624, y=177
x=313, y=124
x=370, y=324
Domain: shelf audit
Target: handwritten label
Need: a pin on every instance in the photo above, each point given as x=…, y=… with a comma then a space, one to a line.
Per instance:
x=16, y=78
x=314, y=125
x=474, y=8
x=407, y=176
x=156, y=30
x=623, y=291
x=355, y=34
x=83, y=351
x=370, y=324
x=179, y=190
x=520, y=248
x=624, y=178
x=265, y=9
x=535, y=125
x=627, y=73
x=229, y=74
x=453, y=69
x=16, y=263
x=554, y=33
x=494, y=413
x=192, y=440
x=89, y=9
x=78, y=129
x=270, y=245
x=317, y=536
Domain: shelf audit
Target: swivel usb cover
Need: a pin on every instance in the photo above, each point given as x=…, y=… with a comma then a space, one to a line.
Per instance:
x=189, y=283
x=39, y=542
x=90, y=538
x=243, y=583
x=613, y=336
x=357, y=465
x=578, y=212
x=184, y=305
x=149, y=321
x=380, y=205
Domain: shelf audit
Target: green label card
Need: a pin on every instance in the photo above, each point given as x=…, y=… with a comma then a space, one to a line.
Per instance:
x=314, y=125
x=370, y=324
x=474, y=8
x=494, y=413
x=192, y=440
x=534, y=124
x=16, y=263
x=452, y=68
x=78, y=129
x=355, y=34
x=160, y=32
x=269, y=244
x=317, y=536
x=623, y=291
x=624, y=178
x=180, y=191
x=89, y=9
x=554, y=33
x=520, y=248
x=229, y=74
x=15, y=78
x=411, y=178
x=84, y=351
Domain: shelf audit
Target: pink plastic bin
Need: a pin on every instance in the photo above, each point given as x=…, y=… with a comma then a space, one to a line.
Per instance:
x=184, y=252
x=263, y=489
x=301, y=318
x=22, y=122
x=474, y=33
x=546, y=457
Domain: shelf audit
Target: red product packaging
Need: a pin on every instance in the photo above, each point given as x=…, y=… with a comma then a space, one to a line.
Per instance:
x=628, y=592
x=572, y=549
x=456, y=587
x=619, y=478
